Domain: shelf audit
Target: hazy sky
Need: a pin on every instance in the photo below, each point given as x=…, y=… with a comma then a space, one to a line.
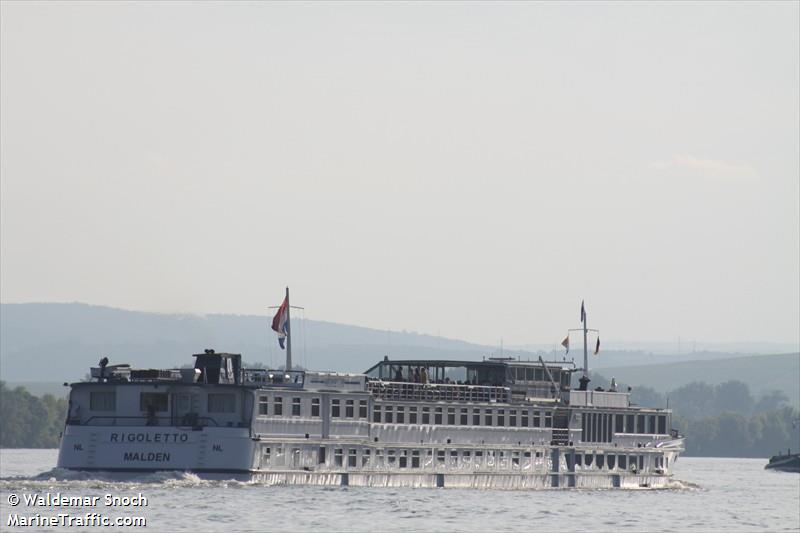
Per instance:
x=472, y=170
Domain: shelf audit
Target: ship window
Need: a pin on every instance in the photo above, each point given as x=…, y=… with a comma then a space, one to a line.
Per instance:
x=536, y=419
x=403, y=459
x=221, y=403
x=314, y=406
x=453, y=458
x=579, y=459
x=103, y=401
x=512, y=418
x=501, y=418
x=391, y=457
x=426, y=415
x=515, y=459
x=451, y=416
x=440, y=456
x=641, y=463
x=401, y=414
x=412, y=415
x=651, y=424
x=265, y=454
x=263, y=405
x=487, y=419
x=589, y=458
x=538, y=374
x=376, y=413
x=623, y=461
x=640, y=424
x=600, y=461
x=336, y=409
x=620, y=424
x=295, y=406
x=464, y=417
x=351, y=458
x=277, y=406
x=548, y=419
x=362, y=408
x=629, y=426
x=489, y=457
x=662, y=424
x=379, y=457
x=349, y=409
x=528, y=374
x=157, y=401
x=476, y=417
x=437, y=416
x=321, y=456
x=611, y=462
x=524, y=419
x=338, y=456
x=415, y=459
x=388, y=416
x=364, y=457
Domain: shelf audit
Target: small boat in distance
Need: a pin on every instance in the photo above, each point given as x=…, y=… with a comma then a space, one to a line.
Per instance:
x=788, y=462
x=499, y=423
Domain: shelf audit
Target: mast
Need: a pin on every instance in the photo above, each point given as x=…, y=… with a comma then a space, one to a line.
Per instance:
x=585, y=344
x=289, y=334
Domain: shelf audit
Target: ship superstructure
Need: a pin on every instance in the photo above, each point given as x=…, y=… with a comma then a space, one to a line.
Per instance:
x=496, y=423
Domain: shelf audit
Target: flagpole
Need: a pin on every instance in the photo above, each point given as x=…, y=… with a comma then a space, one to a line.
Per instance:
x=289, y=334
x=585, y=345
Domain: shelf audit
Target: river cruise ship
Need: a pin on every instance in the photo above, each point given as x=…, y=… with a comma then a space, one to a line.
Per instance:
x=495, y=423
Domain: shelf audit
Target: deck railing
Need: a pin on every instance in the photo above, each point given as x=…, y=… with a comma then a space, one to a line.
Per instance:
x=166, y=421
x=448, y=392
x=273, y=378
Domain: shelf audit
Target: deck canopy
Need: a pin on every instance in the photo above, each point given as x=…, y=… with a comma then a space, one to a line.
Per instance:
x=441, y=371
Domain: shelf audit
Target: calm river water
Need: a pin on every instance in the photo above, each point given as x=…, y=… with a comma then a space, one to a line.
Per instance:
x=712, y=495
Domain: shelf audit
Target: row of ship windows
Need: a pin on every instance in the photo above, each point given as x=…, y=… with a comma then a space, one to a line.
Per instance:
x=596, y=427
x=413, y=415
x=349, y=410
x=462, y=416
x=600, y=427
x=425, y=458
x=158, y=402
x=405, y=458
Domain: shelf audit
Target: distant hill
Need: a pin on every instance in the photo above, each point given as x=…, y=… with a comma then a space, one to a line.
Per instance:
x=762, y=373
x=43, y=345
x=44, y=342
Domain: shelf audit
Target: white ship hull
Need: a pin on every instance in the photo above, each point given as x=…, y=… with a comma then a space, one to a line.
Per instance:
x=154, y=449
x=230, y=453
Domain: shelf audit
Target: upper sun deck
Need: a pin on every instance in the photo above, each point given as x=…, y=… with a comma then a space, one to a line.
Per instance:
x=495, y=379
x=489, y=381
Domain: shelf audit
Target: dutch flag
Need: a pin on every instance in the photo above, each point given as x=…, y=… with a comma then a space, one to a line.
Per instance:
x=280, y=324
